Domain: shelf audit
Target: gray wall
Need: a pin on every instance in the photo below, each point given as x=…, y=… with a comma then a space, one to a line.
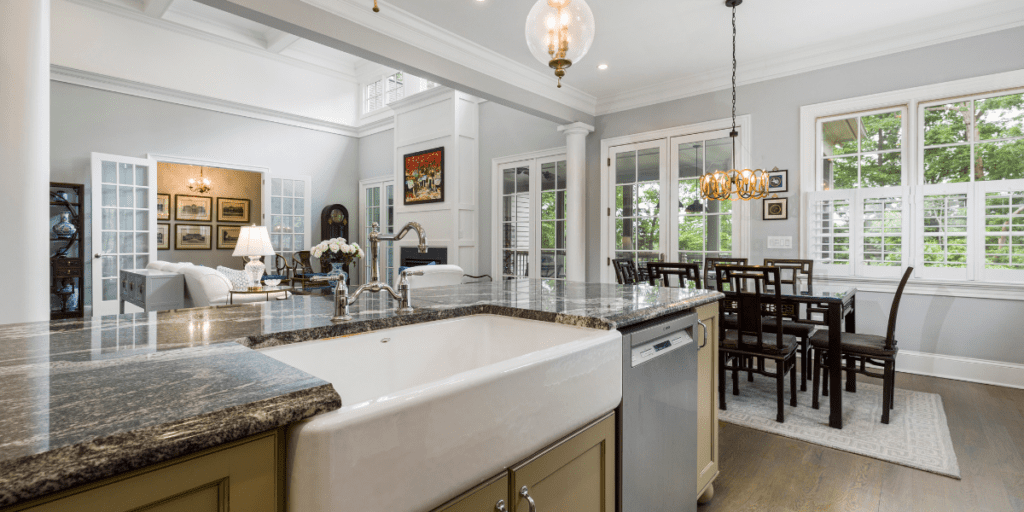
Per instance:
x=84, y=120
x=775, y=110
x=505, y=132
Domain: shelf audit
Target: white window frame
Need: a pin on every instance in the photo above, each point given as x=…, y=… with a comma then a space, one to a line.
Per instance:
x=382, y=183
x=913, y=101
x=534, y=161
x=422, y=84
x=741, y=209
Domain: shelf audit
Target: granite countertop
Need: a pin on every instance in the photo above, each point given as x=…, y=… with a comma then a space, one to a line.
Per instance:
x=87, y=399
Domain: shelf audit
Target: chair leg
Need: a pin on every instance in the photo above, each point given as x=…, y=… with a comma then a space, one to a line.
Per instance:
x=886, y=393
x=792, y=381
x=816, y=370
x=737, y=361
x=825, y=379
x=892, y=385
x=851, y=376
x=780, y=389
x=805, y=365
x=721, y=380
x=750, y=375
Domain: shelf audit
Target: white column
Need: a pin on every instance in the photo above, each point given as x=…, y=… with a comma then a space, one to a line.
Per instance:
x=575, y=222
x=25, y=160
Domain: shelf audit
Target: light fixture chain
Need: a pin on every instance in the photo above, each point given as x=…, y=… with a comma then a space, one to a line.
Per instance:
x=733, y=68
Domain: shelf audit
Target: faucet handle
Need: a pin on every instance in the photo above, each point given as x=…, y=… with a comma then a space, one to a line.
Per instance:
x=412, y=272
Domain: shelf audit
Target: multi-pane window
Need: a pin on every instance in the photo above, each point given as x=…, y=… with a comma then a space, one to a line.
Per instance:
x=957, y=215
x=705, y=227
x=553, y=205
x=391, y=88
x=288, y=216
x=515, y=233
x=378, y=205
x=638, y=205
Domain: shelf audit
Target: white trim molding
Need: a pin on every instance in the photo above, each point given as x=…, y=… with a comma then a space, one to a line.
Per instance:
x=931, y=287
x=155, y=92
x=996, y=373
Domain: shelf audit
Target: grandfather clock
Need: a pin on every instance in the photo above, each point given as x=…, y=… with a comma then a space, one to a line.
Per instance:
x=334, y=224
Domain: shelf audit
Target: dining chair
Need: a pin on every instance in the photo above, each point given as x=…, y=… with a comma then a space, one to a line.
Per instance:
x=791, y=272
x=684, y=272
x=747, y=289
x=625, y=271
x=864, y=349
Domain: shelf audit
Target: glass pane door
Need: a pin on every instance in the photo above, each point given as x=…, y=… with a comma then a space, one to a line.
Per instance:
x=123, y=231
x=515, y=232
x=703, y=228
x=639, y=192
x=377, y=204
x=289, y=216
x=553, y=207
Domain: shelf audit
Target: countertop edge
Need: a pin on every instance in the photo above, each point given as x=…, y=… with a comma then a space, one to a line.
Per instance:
x=34, y=476
x=636, y=317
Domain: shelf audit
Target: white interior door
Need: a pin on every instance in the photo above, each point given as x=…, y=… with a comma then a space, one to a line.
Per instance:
x=123, y=224
x=377, y=204
x=639, y=189
x=289, y=216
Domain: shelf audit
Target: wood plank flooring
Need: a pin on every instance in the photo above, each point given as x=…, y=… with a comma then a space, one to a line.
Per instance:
x=765, y=472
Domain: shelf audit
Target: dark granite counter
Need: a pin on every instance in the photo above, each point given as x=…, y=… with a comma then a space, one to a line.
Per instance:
x=86, y=399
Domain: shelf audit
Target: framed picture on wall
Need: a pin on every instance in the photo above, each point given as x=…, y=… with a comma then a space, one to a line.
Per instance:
x=232, y=210
x=163, y=207
x=193, y=237
x=227, y=236
x=163, y=237
x=193, y=208
x=776, y=209
x=424, y=177
x=778, y=181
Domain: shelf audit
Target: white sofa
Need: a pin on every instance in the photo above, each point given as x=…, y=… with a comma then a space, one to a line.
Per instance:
x=205, y=286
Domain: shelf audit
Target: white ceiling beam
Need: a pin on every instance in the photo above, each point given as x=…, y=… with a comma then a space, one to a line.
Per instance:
x=351, y=34
x=278, y=41
x=156, y=8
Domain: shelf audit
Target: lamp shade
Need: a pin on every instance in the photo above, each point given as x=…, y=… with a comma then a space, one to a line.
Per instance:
x=253, y=241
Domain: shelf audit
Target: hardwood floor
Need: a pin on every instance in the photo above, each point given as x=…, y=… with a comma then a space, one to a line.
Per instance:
x=765, y=472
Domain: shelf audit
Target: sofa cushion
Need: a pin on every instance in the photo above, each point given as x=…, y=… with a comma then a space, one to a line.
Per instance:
x=204, y=286
x=240, y=279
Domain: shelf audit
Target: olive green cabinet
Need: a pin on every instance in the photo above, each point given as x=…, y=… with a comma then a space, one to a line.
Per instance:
x=243, y=476
x=576, y=474
x=707, y=401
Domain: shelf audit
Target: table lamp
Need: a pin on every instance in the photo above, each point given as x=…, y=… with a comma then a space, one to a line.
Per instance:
x=253, y=242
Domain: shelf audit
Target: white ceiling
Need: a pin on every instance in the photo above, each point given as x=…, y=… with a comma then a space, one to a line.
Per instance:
x=663, y=43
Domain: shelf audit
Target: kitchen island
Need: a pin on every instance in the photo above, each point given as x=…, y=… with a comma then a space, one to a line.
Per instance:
x=87, y=400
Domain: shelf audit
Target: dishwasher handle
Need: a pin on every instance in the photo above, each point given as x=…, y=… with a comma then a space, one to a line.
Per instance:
x=705, y=335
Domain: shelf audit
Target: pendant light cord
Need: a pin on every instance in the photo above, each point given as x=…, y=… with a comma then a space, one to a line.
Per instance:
x=734, y=133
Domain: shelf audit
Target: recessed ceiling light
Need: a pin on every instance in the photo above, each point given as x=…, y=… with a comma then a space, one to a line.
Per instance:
x=602, y=66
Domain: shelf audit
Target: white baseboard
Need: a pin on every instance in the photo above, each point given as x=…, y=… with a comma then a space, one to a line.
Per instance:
x=996, y=373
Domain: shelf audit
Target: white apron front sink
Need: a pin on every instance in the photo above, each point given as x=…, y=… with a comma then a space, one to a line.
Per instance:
x=441, y=406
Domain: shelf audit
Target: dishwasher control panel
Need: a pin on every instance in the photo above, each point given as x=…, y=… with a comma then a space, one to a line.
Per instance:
x=660, y=343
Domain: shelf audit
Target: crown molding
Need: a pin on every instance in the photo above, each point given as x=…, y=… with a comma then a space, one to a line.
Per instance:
x=378, y=126
x=941, y=29
x=407, y=28
x=254, y=46
x=421, y=99
x=154, y=92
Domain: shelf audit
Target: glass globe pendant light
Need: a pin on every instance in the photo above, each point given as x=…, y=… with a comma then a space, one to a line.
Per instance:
x=559, y=33
x=746, y=184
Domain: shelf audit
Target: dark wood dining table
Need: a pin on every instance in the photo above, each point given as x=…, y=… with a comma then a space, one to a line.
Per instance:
x=836, y=304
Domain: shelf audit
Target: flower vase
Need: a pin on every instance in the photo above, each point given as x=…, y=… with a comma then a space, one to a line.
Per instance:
x=64, y=228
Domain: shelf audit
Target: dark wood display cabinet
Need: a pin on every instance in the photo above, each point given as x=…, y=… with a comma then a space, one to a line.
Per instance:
x=67, y=269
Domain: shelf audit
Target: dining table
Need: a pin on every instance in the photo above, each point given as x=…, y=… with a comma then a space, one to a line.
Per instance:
x=828, y=305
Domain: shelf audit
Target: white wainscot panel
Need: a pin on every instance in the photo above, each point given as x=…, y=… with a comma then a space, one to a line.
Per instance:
x=432, y=121
x=467, y=226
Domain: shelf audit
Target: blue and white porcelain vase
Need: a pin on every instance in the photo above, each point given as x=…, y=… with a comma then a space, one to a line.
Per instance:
x=337, y=269
x=64, y=228
x=72, y=298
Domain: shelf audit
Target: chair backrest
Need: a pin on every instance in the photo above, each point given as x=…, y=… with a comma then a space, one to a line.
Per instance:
x=683, y=271
x=804, y=268
x=890, y=333
x=625, y=271
x=302, y=261
x=281, y=264
x=746, y=295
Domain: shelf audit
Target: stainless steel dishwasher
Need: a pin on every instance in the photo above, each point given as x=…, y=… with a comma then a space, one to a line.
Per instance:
x=658, y=416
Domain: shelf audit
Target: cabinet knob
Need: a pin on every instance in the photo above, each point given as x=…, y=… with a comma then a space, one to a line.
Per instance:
x=525, y=493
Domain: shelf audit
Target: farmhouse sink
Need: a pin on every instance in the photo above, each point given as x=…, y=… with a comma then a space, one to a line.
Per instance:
x=430, y=410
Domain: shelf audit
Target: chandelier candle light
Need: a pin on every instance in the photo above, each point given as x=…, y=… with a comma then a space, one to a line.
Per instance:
x=746, y=184
x=559, y=33
x=200, y=185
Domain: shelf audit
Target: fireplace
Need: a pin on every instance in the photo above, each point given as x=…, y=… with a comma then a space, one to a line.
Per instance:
x=412, y=257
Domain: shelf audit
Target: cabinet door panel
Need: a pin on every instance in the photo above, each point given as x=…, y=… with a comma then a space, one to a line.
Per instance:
x=575, y=475
x=707, y=398
x=484, y=498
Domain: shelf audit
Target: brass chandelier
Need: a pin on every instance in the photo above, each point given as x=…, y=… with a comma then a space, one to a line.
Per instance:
x=200, y=185
x=734, y=184
x=559, y=33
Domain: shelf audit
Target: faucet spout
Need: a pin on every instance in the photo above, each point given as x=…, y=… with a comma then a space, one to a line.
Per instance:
x=374, y=284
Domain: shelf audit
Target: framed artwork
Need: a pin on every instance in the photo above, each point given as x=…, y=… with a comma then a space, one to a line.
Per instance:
x=232, y=210
x=776, y=209
x=778, y=181
x=193, y=208
x=227, y=236
x=193, y=237
x=163, y=207
x=163, y=237
x=424, y=177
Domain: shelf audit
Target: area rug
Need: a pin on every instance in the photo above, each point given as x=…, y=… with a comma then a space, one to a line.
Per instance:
x=917, y=435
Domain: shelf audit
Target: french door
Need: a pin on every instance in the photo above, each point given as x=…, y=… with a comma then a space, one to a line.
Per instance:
x=530, y=217
x=290, y=206
x=123, y=224
x=656, y=211
x=377, y=204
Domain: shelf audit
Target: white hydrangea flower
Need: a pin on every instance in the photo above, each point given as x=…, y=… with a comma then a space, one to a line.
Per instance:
x=334, y=247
